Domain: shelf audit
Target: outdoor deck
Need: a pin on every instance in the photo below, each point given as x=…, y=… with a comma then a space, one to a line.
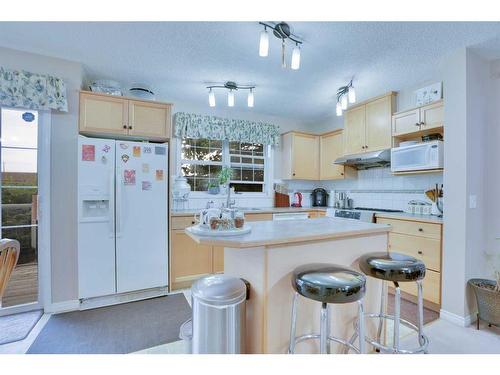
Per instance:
x=23, y=285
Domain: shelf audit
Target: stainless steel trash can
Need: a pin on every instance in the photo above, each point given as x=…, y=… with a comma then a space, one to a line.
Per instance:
x=219, y=315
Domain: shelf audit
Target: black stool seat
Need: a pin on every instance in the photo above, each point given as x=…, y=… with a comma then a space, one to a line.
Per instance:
x=392, y=267
x=328, y=283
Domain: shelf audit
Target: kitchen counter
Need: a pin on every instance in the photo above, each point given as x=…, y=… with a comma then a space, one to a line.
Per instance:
x=267, y=233
x=266, y=258
x=264, y=210
x=413, y=217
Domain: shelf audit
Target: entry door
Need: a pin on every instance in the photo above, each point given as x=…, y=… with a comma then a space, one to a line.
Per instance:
x=19, y=219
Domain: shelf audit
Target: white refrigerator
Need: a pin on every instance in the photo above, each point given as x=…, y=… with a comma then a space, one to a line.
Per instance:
x=122, y=216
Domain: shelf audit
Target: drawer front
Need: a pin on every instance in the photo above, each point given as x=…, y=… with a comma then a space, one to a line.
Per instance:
x=413, y=228
x=182, y=222
x=258, y=217
x=431, y=286
x=427, y=250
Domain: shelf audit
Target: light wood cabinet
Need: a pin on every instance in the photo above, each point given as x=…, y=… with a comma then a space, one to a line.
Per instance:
x=188, y=260
x=107, y=115
x=103, y=114
x=300, y=152
x=423, y=241
x=367, y=126
x=419, y=120
x=355, y=130
x=331, y=147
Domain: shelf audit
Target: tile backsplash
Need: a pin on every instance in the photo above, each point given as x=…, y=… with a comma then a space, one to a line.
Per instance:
x=376, y=188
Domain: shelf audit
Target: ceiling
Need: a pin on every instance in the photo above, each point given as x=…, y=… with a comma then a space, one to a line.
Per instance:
x=178, y=59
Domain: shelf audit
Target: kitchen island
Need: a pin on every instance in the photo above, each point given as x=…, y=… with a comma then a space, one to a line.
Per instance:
x=267, y=256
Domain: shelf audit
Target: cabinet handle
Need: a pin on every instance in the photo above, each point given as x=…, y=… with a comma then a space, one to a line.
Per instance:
x=130, y=127
x=422, y=123
x=192, y=222
x=417, y=124
x=124, y=126
x=366, y=146
x=420, y=252
x=341, y=173
x=420, y=230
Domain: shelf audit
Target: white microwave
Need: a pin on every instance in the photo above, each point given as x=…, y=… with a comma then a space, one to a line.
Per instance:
x=417, y=157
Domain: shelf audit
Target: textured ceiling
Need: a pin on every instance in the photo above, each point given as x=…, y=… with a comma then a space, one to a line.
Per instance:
x=179, y=58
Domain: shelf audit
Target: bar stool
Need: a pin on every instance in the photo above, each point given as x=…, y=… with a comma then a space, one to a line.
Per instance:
x=328, y=284
x=396, y=268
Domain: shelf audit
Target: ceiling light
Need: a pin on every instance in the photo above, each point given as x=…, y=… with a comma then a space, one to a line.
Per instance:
x=211, y=98
x=295, y=58
x=352, y=95
x=343, y=102
x=232, y=87
x=264, y=43
x=250, y=98
x=230, y=98
x=282, y=31
x=339, y=109
x=345, y=95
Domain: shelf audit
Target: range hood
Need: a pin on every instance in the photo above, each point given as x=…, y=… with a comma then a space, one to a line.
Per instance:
x=366, y=160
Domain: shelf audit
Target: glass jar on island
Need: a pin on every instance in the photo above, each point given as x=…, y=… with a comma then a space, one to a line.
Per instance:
x=239, y=220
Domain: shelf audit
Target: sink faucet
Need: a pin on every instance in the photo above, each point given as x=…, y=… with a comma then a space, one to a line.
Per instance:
x=229, y=203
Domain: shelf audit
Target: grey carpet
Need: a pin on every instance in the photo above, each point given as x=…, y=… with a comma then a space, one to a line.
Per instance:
x=17, y=326
x=115, y=329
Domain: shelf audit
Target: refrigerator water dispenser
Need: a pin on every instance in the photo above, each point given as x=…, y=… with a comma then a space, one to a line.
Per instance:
x=95, y=210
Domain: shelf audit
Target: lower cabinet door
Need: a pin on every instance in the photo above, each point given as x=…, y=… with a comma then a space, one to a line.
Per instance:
x=218, y=259
x=431, y=286
x=190, y=261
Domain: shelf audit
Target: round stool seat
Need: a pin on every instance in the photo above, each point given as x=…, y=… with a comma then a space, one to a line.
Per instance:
x=392, y=266
x=328, y=283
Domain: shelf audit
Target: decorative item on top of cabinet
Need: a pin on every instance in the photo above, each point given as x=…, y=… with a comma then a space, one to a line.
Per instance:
x=417, y=122
x=331, y=147
x=367, y=126
x=300, y=153
x=108, y=116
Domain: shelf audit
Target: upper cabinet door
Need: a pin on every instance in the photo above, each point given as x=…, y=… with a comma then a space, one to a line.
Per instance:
x=354, y=130
x=103, y=114
x=152, y=120
x=305, y=150
x=432, y=115
x=406, y=122
x=331, y=148
x=378, y=124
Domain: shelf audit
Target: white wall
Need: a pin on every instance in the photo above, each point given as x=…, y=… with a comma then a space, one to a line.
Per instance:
x=63, y=210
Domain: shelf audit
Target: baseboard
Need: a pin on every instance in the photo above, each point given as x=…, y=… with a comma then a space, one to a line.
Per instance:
x=456, y=319
x=65, y=306
x=115, y=299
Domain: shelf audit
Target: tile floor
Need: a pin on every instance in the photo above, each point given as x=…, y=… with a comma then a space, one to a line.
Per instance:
x=444, y=337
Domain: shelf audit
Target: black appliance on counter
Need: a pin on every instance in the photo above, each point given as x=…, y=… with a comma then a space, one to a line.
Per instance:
x=319, y=197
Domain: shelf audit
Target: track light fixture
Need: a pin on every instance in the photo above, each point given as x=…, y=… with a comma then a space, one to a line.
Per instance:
x=281, y=31
x=345, y=95
x=232, y=87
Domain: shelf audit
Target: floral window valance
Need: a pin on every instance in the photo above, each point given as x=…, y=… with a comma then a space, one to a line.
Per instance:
x=190, y=125
x=19, y=88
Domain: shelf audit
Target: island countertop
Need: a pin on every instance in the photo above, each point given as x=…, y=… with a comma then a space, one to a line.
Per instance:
x=271, y=233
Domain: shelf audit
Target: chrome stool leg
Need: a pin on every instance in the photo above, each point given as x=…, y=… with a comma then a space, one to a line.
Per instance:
x=328, y=328
x=361, y=327
x=383, y=297
x=293, y=324
x=397, y=316
x=421, y=338
x=323, y=333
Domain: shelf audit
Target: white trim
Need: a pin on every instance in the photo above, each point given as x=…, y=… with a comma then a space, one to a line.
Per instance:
x=456, y=319
x=64, y=306
x=44, y=241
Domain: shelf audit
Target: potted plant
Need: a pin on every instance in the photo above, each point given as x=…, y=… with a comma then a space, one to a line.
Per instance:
x=225, y=176
x=213, y=188
x=487, y=294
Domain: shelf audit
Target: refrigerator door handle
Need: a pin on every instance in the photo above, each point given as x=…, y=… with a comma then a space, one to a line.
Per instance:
x=111, y=208
x=118, y=205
